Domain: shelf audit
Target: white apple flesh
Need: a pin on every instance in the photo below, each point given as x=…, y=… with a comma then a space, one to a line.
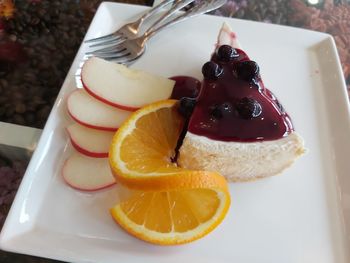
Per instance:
x=86, y=173
x=93, y=113
x=119, y=86
x=90, y=142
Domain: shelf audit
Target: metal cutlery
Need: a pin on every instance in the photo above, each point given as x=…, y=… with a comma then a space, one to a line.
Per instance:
x=129, y=50
x=130, y=30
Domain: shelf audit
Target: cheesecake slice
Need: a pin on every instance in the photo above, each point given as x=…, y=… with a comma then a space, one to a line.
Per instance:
x=238, y=127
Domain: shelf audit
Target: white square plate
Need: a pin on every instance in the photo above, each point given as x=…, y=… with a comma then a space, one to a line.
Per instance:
x=300, y=216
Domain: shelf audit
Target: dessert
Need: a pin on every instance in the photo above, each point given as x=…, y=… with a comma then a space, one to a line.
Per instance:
x=233, y=125
x=238, y=127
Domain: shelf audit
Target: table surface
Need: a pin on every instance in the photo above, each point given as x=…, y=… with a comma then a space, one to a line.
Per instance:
x=39, y=39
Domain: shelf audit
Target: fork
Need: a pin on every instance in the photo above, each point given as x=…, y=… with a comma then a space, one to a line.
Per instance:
x=130, y=50
x=130, y=30
x=177, y=6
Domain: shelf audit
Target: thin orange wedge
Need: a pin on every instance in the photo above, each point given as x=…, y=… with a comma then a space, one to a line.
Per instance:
x=169, y=205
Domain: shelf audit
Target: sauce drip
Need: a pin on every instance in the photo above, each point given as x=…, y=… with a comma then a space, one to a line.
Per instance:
x=185, y=87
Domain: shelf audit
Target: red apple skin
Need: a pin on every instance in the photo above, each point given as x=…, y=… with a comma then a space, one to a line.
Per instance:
x=84, y=151
x=81, y=189
x=92, y=126
x=88, y=190
x=122, y=107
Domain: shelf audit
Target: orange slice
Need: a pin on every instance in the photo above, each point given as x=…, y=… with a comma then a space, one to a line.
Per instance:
x=173, y=217
x=169, y=204
x=142, y=149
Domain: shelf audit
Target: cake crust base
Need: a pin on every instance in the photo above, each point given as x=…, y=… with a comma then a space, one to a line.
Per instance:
x=240, y=161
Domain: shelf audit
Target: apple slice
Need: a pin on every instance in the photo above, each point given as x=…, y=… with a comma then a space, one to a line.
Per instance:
x=93, y=113
x=90, y=142
x=125, y=88
x=86, y=173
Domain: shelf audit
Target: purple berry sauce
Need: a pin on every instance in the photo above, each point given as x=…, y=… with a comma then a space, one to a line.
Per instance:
x=233, y=103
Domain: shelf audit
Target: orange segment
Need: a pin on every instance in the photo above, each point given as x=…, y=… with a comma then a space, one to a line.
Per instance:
x=143, y=147
x=172, y=217
x=171, y=205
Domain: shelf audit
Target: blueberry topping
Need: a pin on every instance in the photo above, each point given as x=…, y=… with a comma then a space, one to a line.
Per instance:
x=279, y=105
x=248, y=108
x=211, y=70
x=186, y=106
x=247, y=70
x=226, y=53
x=185, y=87
x=270, y=95
x=216, y=112
x=221, y=110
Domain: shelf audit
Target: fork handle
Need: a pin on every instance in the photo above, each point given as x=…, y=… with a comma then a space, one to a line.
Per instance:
x=155, y=9
x=203, y=7
x=179, y=4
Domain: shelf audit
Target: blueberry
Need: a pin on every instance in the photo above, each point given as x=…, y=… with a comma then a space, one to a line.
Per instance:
x=247, y=70
x=186, y=106
x=211, y=70
x=248, y=108
x=226, y=53
x=219, y=111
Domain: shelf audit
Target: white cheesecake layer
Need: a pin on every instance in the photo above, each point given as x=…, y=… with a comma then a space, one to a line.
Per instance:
x=240, y=161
